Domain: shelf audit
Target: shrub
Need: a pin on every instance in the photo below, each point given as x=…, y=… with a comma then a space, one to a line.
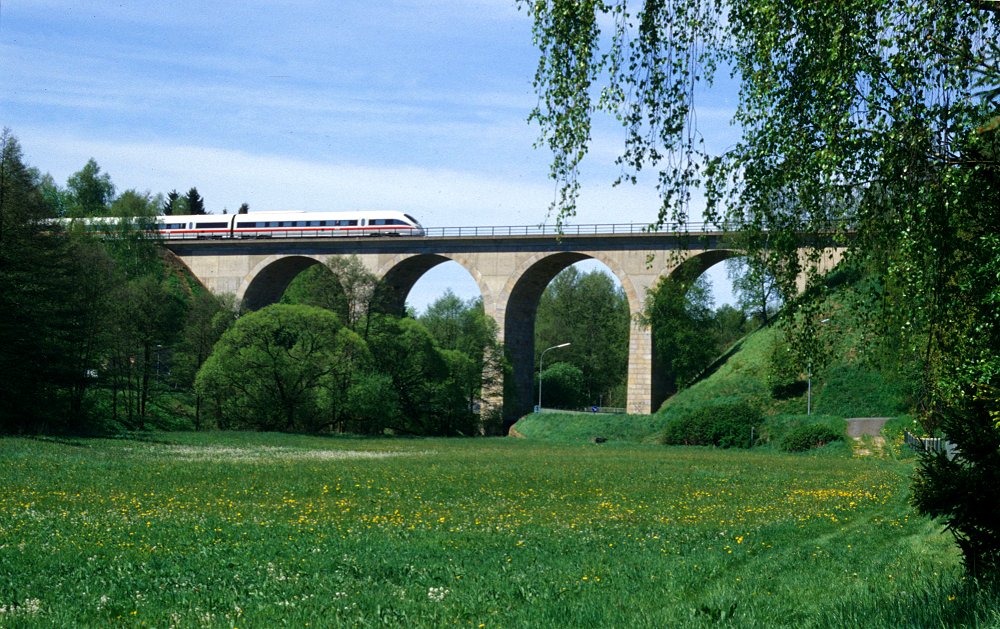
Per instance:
x=783, y=371
x=563, y=386
x=722, y=425
x=808, y=436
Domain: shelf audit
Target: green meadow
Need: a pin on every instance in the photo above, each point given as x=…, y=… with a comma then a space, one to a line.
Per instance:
x=263, y=530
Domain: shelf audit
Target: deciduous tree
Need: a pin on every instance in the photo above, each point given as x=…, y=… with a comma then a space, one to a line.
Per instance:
x=589, y=311
x=857, y=118
x=276, y=368
x=90, y=191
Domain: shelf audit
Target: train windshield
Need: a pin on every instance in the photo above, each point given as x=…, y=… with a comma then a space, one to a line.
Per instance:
x=413, y=220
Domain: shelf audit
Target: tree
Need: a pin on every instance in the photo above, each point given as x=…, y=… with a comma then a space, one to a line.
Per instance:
x=146, y=316
x=344, y=285
x=462, y=329
x=864, y=117
x=756, y=290
x=135, y=204
x=363, y=293
x=318, y=286
x=195, y=203
x=90, y=191
x=208, y=317
x=56, y=199
x=40, y=301
x=173, y=204
x=563, y=386
x=684, y=331
x=244, y=208
x=731, y=324
x=406, y=352
x=589, y=311
x=445, y=319
x=276, y=368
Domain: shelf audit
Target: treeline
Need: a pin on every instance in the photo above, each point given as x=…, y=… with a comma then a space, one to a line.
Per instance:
x=109, y=334
x=86, y=324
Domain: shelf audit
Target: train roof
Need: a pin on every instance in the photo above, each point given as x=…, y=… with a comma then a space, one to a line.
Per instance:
x=285, y=214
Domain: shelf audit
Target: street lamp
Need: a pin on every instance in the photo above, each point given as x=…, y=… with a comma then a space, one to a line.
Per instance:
x=540, y=358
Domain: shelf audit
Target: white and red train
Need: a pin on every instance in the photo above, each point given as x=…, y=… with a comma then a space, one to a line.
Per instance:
x=290, y=224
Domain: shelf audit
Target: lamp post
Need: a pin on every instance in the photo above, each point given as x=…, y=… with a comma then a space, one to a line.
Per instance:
x=809, y=389
x=540, y=358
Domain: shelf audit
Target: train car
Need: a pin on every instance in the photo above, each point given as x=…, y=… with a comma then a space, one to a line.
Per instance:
x=324, y=224
x=212, y=226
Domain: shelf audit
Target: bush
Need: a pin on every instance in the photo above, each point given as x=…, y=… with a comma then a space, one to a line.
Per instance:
x=563, y=386
x=857, y=391
x=808, y=436
x=722, y=425
x=782, y=370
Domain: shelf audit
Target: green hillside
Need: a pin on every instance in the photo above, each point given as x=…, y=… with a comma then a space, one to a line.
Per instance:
x=845, y=383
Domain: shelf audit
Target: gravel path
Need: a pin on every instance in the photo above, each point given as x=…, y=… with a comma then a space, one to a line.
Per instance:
x=861, y=426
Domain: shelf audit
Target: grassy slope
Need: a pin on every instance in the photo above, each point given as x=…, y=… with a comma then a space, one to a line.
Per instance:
x=258, y=530
x=844, y=388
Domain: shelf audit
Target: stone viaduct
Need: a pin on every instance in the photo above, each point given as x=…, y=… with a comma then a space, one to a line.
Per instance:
x=511, y=271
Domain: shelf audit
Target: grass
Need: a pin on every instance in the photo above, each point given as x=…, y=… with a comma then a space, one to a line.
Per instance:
x=567, y=427
x=259, y=530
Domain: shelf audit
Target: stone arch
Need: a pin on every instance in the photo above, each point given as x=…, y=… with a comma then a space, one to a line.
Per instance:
x=400, y=274
x=688, y=269
x=695, y=265
x=521, y=296
x=629, y=287
x=267, y=281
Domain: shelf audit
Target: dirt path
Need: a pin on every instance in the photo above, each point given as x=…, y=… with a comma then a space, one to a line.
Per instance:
x=858, y=427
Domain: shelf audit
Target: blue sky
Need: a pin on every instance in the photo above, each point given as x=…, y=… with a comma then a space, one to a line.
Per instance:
x=402, y=104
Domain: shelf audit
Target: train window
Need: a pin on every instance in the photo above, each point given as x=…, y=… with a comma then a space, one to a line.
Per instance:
x=211, y=225
x=250, y=224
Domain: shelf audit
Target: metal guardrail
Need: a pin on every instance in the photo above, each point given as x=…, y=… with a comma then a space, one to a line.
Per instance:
x=564, y=230
x=488, y=231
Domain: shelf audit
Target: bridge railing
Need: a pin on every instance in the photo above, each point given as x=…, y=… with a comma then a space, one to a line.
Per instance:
x=549, y=230
x=487, y=231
